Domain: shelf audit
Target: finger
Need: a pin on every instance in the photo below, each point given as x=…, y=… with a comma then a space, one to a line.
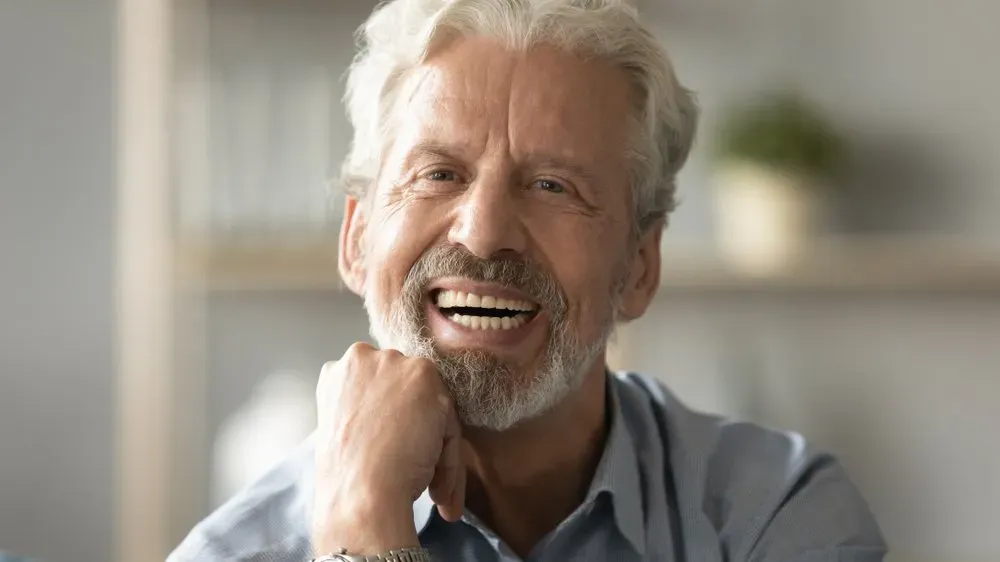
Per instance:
x=458, y=492
x=456, y=496
x=448, y=471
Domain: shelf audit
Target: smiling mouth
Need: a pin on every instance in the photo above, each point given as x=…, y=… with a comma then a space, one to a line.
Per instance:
x=483, y=312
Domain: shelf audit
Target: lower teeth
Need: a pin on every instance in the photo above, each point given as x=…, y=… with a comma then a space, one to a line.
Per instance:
x=490, y=322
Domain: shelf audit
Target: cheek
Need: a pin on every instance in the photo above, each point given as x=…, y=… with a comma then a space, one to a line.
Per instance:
x=585, y=258
x=396, y=240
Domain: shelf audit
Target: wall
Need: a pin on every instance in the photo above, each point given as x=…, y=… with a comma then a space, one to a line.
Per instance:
x=57, y=217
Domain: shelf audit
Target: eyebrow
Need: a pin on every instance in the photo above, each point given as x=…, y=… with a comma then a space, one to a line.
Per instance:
x=560, y=163
x=454, y=152
x=433, y=148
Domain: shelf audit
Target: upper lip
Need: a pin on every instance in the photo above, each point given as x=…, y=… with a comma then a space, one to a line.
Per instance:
x=479, y=288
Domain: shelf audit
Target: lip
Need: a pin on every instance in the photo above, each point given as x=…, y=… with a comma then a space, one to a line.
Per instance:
x=479, y=288
x=451, y=335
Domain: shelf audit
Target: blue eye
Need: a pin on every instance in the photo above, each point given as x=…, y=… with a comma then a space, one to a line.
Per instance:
x=549, y=185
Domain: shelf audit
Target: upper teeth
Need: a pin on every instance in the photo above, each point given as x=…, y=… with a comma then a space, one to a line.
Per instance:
x=455, y=299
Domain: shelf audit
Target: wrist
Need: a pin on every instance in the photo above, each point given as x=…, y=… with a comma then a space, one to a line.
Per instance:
x=365, y=526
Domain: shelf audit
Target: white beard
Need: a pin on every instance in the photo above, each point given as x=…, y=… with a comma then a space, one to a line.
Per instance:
x=489, y=392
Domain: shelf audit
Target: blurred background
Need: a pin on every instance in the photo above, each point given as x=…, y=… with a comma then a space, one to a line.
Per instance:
x=168, y=289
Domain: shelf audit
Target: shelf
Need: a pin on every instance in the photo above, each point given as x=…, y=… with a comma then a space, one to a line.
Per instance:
x=302, y=266
x=847, y=264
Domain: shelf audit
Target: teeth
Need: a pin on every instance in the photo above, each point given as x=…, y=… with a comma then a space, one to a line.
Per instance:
x=458, y=299
x=454, y=299
x=488, y=322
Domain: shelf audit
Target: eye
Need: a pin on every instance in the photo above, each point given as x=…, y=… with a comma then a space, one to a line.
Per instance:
x=442, y=175
x=549, y=185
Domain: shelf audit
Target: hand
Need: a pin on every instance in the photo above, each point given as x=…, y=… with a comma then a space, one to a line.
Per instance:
x=387, y=430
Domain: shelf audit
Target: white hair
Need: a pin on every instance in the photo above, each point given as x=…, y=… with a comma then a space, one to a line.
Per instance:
x=401, y=34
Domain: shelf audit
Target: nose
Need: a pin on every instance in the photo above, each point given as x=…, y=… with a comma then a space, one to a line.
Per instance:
x=488, y=221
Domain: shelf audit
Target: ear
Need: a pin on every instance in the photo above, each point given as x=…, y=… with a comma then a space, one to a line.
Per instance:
x=644, y=274
x=351, y=260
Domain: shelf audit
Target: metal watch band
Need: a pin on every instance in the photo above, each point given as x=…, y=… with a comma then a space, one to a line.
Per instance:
x=398, y=555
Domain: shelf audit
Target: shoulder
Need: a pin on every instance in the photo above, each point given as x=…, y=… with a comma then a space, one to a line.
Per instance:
x=266, y=521
x=765, y=494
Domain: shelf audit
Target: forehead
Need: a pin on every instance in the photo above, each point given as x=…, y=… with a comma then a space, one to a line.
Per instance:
x=475, y=93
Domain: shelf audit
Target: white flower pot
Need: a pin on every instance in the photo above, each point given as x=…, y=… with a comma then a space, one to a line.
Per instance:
x=765, y=218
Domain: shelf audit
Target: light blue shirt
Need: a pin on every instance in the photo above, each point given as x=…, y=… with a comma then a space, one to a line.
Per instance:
x=672, y=485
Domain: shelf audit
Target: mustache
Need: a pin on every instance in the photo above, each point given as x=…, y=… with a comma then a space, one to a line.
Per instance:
x=509, y=271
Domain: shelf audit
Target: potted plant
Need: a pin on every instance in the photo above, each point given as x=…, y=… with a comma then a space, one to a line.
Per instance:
x=773, y=158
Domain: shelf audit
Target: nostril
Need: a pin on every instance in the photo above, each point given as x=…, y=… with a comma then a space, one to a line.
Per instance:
x=486, y=229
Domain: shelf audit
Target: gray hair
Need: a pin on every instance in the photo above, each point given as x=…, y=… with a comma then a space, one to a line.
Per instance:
x=401, y=34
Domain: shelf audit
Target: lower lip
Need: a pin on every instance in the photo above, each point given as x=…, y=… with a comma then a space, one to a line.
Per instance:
x=452, y=334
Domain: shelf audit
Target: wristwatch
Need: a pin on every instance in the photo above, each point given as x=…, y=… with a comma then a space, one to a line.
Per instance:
x=400, y=555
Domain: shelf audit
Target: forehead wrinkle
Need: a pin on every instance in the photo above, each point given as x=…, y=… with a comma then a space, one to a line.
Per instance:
x=570, y=114
x=438, y=120
x=463, y=99
x=526, y=109
x=481, y=78
x=499, y=98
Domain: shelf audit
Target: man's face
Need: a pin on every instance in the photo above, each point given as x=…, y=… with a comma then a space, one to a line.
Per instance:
x=496, y=240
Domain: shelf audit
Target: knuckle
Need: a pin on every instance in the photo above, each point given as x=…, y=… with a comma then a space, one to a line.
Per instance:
x=358, y=349
x=424, y=377
x=325, y=373
x=328, y=368
x=447, y=402
x=392, y=354
x=422, y=368
x=358, y=354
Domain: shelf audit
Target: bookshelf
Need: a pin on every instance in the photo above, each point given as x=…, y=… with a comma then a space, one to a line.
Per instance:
x=843, y=264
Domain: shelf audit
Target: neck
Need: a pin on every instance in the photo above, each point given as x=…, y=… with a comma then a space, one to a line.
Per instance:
x=524, y=481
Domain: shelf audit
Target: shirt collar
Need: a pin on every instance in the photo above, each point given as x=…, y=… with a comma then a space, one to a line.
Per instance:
x=617, y=475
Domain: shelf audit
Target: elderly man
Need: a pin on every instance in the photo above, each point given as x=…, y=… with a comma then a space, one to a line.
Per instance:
x=512, y=168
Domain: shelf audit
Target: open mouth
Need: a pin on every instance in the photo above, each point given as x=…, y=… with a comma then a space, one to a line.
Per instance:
x=483, y=312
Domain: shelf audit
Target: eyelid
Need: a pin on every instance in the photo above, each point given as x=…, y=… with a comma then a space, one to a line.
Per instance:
x=557, y=184
x=566, y=185
x=438, y=168
x=458, y=177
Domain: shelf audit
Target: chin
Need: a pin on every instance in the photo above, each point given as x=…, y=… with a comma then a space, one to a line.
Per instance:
x=491, y=394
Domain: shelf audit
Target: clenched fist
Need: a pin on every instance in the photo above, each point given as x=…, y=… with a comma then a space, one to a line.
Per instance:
x=387, y=431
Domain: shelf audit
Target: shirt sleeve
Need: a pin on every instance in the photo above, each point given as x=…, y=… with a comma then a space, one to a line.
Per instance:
x=823, y=518
x=194, y=548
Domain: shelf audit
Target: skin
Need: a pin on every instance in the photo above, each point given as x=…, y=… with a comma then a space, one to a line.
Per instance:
x=497, y=152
